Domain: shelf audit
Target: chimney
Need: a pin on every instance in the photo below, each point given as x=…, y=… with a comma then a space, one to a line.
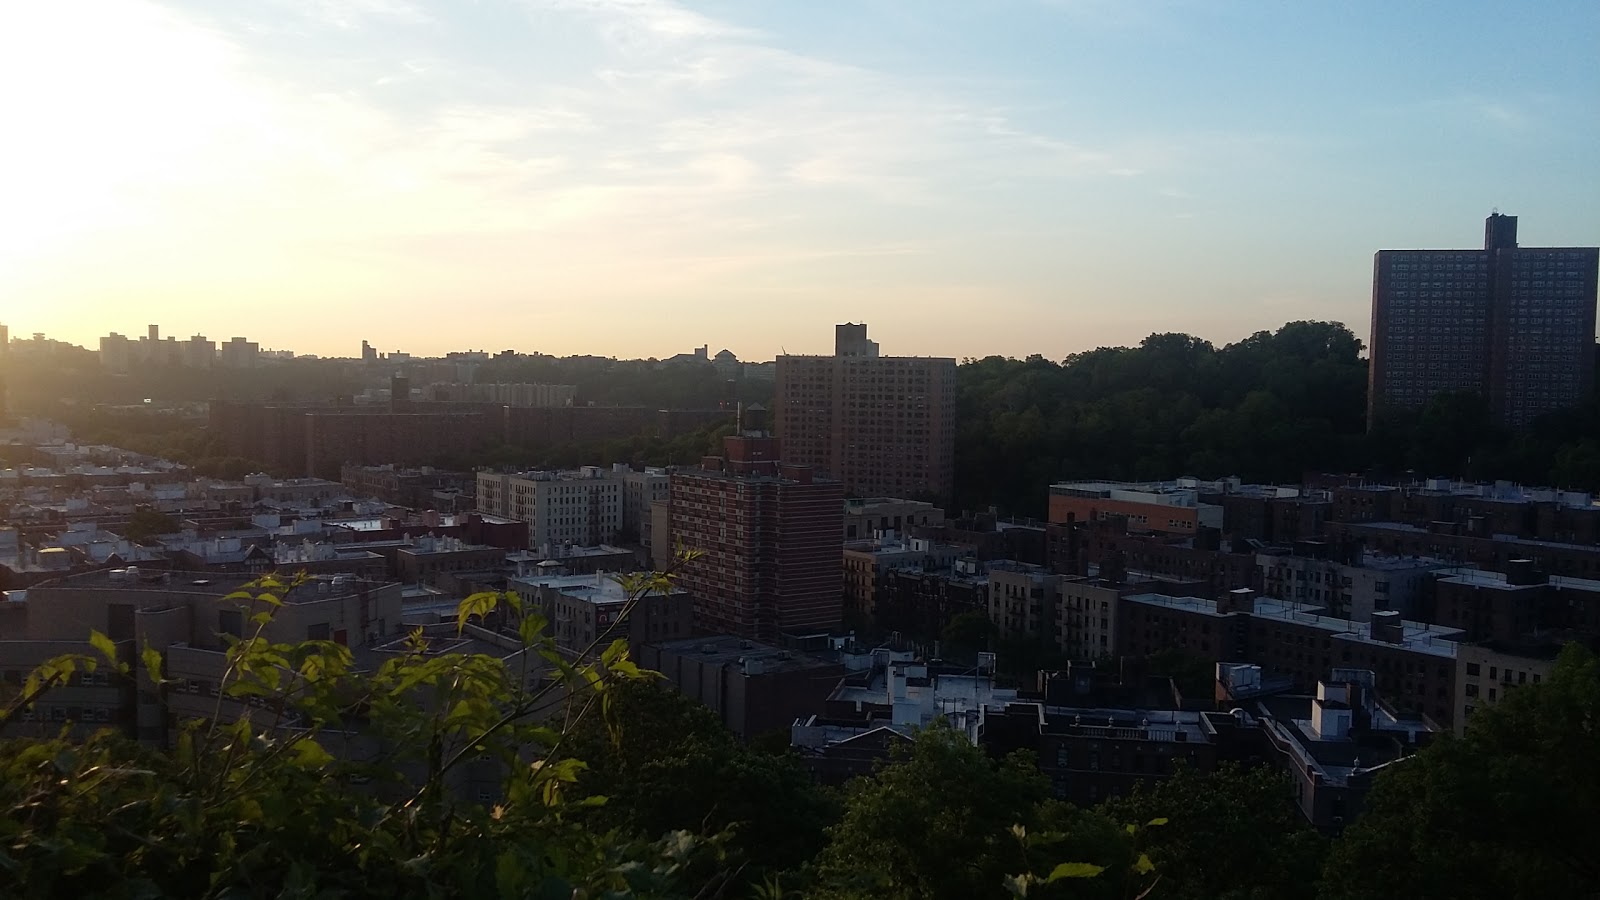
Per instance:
x=1237, y=600
x=1387, y=626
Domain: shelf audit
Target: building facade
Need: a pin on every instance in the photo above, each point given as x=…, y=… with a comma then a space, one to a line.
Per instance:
x=590, y=611
x=881, y=425
x=641, y=489
x=768, y=538
x=1157, y=507
x=581, y=507
x=1514, y=325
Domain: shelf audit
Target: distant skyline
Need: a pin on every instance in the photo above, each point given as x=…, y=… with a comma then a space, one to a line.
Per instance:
x=636, y=178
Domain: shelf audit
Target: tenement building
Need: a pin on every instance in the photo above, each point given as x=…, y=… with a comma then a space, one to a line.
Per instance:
x=881, y=425
x=581, y=507
x=1512, y=324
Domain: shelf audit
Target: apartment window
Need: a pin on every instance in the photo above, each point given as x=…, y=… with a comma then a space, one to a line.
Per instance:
x=1472, y=690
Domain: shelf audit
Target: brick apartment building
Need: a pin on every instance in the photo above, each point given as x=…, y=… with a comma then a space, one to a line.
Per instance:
x=1480, y=510
x=769, y=534
x=184, y=616
x=1415, y=662
x=1512, y=324
x=884, y=426
x=1154, y=507
x=319, y=438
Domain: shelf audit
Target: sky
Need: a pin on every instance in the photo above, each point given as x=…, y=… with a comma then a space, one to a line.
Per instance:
x=635, y=178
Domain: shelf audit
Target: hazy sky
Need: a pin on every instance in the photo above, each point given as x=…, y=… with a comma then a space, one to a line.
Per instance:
x=635, y=178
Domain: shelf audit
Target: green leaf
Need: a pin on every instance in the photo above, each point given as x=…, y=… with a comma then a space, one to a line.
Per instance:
x=531, y=627
x=1075, y=870
x=1144, y=866
x=508, y=874
x=617, y=651
x=1160, y=821
x=1130, y=828
x=479, y=604
x=309, y=754
x=100, y=642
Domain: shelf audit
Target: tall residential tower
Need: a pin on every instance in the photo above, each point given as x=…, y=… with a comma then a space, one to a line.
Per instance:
x=769, y=538
x=1515, y=325
x=882, y=425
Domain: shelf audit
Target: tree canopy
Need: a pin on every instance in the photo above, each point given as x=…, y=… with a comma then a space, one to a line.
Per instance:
x=1271, y=407
x=1506, y=812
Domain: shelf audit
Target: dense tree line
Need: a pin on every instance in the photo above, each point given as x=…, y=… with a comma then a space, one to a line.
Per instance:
x=613, y=786
x=1271, y=407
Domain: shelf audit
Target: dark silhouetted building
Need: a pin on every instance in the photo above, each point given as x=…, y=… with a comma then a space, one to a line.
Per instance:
x=1514, y=325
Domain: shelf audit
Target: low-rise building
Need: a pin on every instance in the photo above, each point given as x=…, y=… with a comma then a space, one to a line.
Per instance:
x=1488, y=672
x=579, y=507
x=1333, y=743
x=587, y=611
x=1347, y=580
x=867, y=517
x=188, y=613
x=1512, y=605
x=867, y=563
x=1415, y=662
x=430, y=557
x=754, y=688
x=1163, y=507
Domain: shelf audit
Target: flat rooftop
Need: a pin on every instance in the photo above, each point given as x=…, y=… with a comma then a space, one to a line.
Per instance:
x=1406, y=528
x=720, y=649
x=567, y=553
x=1498, y=581
x=214, y=584
x=1434, y=640
x=600, y=587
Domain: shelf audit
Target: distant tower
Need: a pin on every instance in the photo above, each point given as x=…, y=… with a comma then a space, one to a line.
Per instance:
x=369, y=353
x=5, y=342
x=399, y=393
x=850, y=339
x=155, y=333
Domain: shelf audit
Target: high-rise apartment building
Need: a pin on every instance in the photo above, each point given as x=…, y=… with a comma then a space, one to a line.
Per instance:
x=1515, y=325
x=582, y=507
x=881, y=425
x=768, y=534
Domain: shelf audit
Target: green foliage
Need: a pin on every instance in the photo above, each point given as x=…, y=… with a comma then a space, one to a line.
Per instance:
x=1194, y=675
x=968, y=633
x=1268, y=408
x=313, y=778
x=670, y=765
x=1232, y=834
x=147, y=523
x=1506, y=812
x=944, y=821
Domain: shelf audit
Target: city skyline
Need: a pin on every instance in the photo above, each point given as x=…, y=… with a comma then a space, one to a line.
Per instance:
x=634, y=179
